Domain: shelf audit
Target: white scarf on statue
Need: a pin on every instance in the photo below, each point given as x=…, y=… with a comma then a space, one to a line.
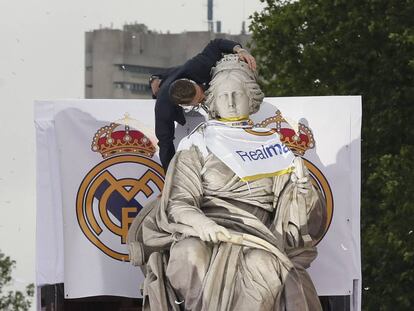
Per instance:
x=251, y=153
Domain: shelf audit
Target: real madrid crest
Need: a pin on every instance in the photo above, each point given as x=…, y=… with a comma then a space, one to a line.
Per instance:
x=116, y=189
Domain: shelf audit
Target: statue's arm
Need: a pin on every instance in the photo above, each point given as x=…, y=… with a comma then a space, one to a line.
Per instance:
x=185, y=196
x=300, y=206
x=315, y=203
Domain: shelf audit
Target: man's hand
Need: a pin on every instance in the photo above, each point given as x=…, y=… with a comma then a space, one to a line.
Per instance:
x=155, y=86
x=245, y=56
x=248, y=58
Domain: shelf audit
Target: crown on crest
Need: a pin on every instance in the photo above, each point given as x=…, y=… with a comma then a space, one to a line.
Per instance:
x=299, y=141
x=109, y=140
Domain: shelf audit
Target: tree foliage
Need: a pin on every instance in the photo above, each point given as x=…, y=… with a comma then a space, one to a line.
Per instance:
x=358, y=47
x=12, y=300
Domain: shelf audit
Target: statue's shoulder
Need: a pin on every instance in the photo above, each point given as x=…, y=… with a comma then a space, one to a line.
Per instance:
x=195, y=138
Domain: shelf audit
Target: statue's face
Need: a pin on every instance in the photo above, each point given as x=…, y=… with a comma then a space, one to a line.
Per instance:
x=231, y=99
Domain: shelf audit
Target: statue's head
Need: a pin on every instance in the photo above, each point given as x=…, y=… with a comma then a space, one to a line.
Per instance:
x=234, y=93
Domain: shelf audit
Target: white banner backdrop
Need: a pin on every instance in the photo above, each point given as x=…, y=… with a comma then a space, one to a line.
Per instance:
x=86, y=199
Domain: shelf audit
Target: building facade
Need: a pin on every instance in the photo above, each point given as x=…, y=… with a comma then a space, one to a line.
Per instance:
x=118, y=63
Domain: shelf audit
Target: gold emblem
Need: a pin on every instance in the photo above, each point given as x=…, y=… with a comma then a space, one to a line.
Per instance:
x=299, y=138
x=115, y=190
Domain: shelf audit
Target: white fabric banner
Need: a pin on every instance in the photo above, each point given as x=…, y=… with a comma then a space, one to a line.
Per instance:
x=334, y=162
x=99, y=175
x=89, y=189
x=250, y=153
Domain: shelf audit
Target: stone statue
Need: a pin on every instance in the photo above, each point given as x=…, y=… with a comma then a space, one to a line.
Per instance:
x=215, y=241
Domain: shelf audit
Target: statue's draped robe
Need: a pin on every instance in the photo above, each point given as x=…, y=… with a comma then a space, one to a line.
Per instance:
x=265, y=270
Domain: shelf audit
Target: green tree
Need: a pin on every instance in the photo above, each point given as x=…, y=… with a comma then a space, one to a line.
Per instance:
x=358, y=47
x=12, y=300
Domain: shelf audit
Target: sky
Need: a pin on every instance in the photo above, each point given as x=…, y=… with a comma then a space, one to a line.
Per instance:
x=42, y=57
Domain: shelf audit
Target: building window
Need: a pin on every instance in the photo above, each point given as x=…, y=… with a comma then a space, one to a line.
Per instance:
x=119, y=85
x=139, y=69
x=133, y=87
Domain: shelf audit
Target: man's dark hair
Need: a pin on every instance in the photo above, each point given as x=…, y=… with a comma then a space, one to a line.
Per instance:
x=182, y=91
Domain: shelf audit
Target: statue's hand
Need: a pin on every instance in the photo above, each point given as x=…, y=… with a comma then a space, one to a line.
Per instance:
x=300, y=176
x=303, y=184
x=208, y=231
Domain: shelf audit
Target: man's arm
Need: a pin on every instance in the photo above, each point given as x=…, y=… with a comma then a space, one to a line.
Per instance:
x=164, y=130
x=163, y=74
x=215, y=49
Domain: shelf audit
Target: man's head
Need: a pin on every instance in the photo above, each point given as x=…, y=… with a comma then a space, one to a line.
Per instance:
x=186, y=92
